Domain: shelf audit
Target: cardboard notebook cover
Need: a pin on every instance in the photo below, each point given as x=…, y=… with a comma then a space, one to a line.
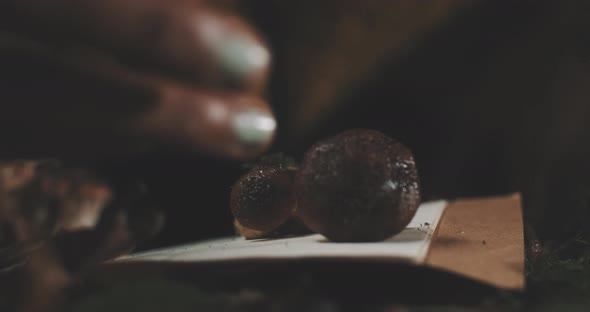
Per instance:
x=482, y=239
x=479, y=239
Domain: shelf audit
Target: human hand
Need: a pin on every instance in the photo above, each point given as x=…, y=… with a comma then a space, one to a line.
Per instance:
x=91, y=78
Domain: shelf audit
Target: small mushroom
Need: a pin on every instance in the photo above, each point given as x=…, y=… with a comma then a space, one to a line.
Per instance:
x=360, y=185
x=263, y=199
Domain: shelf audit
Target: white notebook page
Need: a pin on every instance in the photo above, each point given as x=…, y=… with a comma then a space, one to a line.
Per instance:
x=411, y=245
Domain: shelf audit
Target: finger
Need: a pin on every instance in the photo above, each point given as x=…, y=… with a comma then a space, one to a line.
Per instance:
x=215, y=48
x=89, y=106
x=182, y=38
x=239, y=126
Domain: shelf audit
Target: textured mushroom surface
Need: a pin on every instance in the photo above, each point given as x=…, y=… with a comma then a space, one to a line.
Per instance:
x=360, y=185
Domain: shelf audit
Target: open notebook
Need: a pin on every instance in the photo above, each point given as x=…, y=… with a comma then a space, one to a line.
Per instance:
x=480, y=239
x=411, y=245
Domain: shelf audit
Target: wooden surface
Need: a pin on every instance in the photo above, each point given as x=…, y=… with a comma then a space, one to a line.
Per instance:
x=482, y=239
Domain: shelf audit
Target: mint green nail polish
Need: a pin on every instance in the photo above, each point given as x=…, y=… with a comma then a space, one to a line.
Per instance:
x=241, y=57
x=253, y=127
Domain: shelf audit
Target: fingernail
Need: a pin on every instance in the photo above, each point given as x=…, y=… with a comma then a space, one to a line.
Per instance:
x=254, y=127
x=241, y=57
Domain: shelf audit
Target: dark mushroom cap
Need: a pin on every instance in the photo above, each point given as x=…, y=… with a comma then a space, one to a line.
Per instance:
x=263, y=199
x=360, y=185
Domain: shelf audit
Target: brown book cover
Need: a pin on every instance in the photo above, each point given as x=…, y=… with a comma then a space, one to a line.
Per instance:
x=482, y=239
